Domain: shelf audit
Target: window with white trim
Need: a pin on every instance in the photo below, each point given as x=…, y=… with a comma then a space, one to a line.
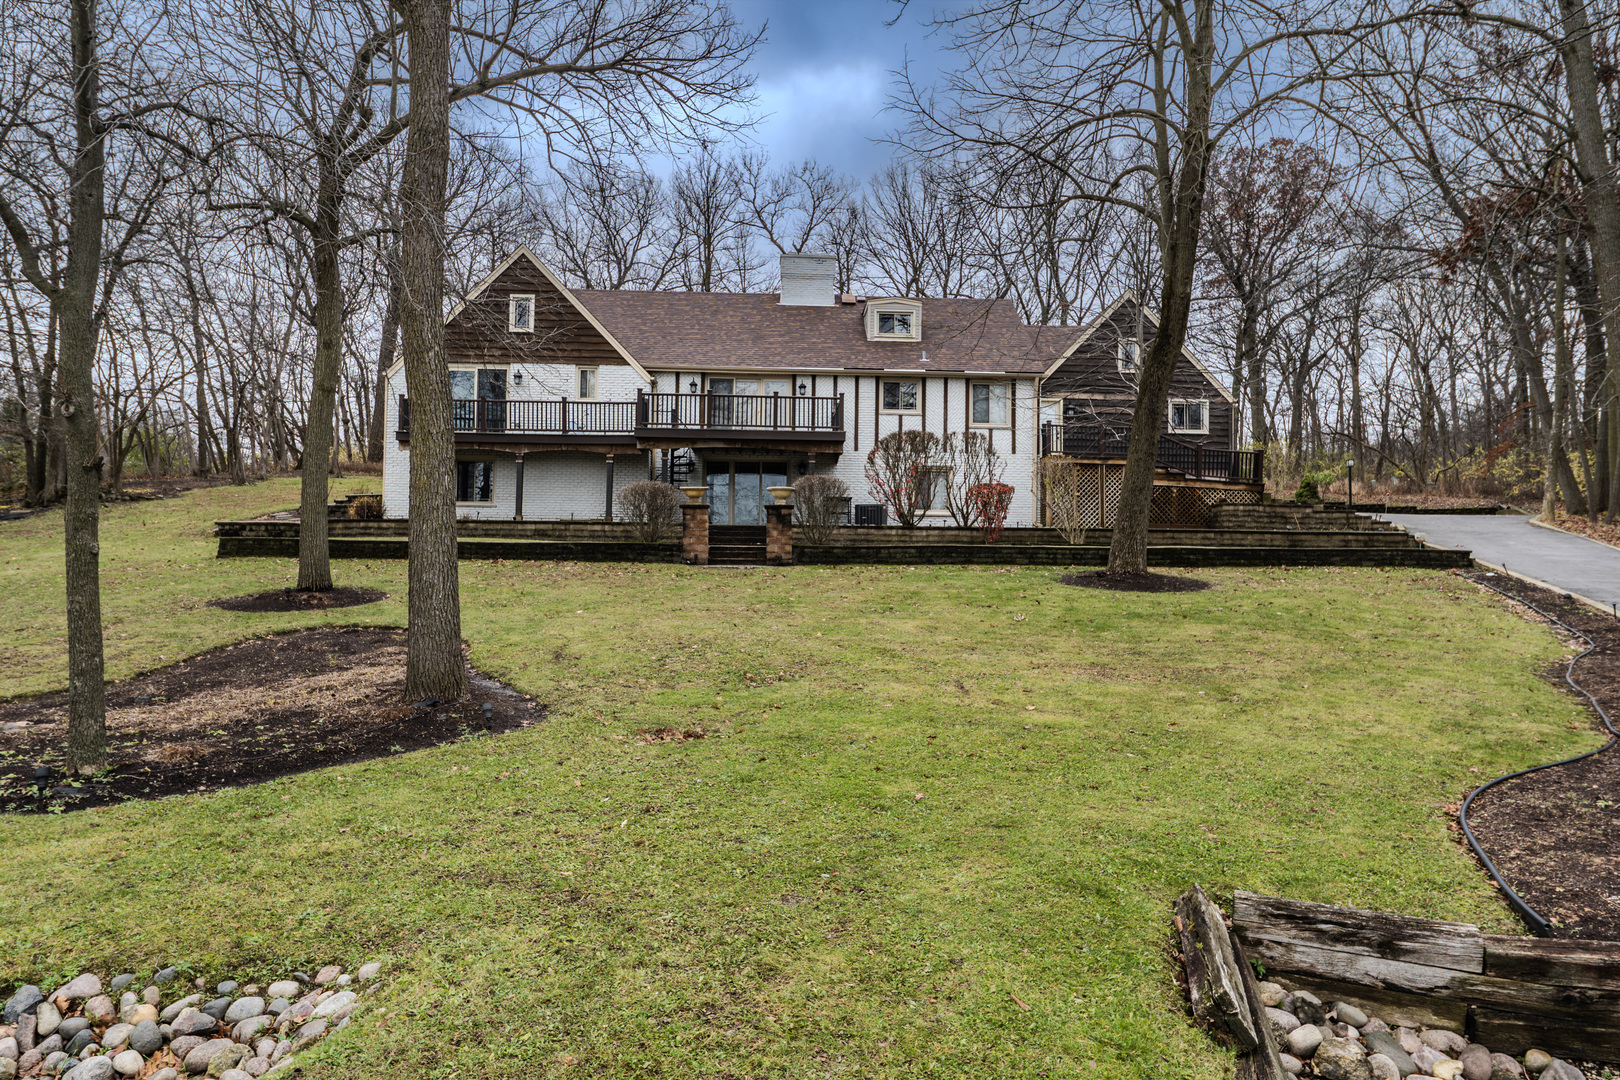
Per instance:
x=475, y=481
x=520, y=313
x=899, y=396
x=1130, y=357
x=587, y=384
x=893, y=319
x=988, y=404
x=934, y=498
x=1189, y=417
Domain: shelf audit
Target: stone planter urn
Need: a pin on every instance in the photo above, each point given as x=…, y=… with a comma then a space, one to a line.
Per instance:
x=782, y=495
x=694, y=495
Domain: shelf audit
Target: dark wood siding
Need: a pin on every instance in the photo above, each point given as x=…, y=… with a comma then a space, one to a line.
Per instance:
x=478, y=333
x=1095, y=390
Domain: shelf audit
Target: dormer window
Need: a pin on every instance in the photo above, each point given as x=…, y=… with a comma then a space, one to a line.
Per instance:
x=1130, y=357
x=893, y=320
x=520, y=314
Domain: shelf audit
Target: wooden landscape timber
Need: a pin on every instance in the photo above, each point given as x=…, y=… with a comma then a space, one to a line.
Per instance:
x=1221, y=987
x=1507, y=992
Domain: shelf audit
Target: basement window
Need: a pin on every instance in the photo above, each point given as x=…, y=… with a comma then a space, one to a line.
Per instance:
x=475, y=481
x=1189, y=417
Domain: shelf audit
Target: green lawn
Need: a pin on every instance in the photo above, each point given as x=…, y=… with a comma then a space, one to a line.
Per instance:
x=929, y=795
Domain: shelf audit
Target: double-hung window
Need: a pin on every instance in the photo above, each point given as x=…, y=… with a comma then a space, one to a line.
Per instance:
x=900, y=396
x=988, y=404
x=587, y=384
x=1189, y=417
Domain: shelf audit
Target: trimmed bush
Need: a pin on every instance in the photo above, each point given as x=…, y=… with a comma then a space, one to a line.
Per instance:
x=818, y=506
x=652, y=509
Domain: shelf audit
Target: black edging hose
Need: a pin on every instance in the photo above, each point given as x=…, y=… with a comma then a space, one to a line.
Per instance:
x=1538, y=925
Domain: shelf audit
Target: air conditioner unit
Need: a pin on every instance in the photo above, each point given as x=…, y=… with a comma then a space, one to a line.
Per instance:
x=871, y=514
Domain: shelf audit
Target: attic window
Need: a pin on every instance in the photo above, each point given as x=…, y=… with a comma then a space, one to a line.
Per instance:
x=1130, y=357
x=520, y=314
x=894, y=319
x=1191, y=417
x=894, y=323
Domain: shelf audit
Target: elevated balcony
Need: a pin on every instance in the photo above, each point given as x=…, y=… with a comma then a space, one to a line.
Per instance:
x=812, y=424
x=1183, y=460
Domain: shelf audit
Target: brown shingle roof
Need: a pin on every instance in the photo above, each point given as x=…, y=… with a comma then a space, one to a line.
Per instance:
x=701, y=331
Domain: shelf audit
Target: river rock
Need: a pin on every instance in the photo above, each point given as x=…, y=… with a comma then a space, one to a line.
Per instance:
x=47, y=1018
x=128, y=1063
x=370, y=971
x=218, y=1008
x=8, y=1069
x=1559, y=1069
x=1448, y=1042
x=1308, y=1007
x=168, y=1015
x=1383, y=1067
x=100, y=1010
x=1347, y=1013
x=228, y=1058
x=1341, y=1059
x=283, y=988
x=26, y=1030
x=1303, y=1040
x=54, y=1043
x=199, y=1056
x=226, y=988
x=9, y=1048
x=235, y=1074
x=1291, y=1064
x=164, y=976
x=116, y=1035
x=25, y=1000
x=1426, y=1058
x=152, y=995
x=79, y=1042
x=1505, y=1068
x=1476, y=1062
x=164, y=1074
x=197, y=1023
x=312, y=1030
x=96, y=1068
x=1281, y=1022
x=1409, y=1040
x=247, y=1030
x=121, y=981
x=264, y=1047
x=256, y=1066
x=146, y=1039
x=1382, y=1042
x=1447, y=1069
x=334, y=1003
x=138, y=1012
x=1374, y=1024
x=80, y=987
x=242, y=1008
x=30, y=1058
x=185, y=1044
x=327, y=974
x=278, y=1006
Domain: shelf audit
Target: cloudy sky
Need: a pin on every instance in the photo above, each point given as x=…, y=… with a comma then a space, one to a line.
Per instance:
x=825, y=76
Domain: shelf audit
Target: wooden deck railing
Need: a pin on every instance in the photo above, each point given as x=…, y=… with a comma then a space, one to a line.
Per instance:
x=558, y=417
x=754, y=412
x=1190, y=459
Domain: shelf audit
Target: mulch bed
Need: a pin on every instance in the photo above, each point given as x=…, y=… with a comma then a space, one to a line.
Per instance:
x=1552, y=833
x=278, y=600
x=1149, y=582
x=246, y=713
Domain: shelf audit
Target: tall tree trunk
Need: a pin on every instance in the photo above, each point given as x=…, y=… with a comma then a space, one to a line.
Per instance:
x=1181, y=214
x=76, y=302
x=314, y=559
x=433, y=663
x=1555, y=430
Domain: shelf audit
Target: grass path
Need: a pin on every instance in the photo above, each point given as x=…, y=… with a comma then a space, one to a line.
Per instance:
x=928, y=795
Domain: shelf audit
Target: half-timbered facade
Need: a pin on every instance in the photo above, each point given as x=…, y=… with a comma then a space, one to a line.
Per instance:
x=563, y=397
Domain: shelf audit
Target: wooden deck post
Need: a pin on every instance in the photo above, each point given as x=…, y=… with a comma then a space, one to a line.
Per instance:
x=609, y=513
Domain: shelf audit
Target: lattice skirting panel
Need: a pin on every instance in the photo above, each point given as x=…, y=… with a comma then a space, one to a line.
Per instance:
x=1085, y=495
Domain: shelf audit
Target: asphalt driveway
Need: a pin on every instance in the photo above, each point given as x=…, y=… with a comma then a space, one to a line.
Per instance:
x=1572, y=563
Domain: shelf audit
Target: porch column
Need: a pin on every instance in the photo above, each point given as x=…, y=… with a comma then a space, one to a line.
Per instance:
x=518, y=513
x=609, y=514
x=695, y=527
x=779, y=529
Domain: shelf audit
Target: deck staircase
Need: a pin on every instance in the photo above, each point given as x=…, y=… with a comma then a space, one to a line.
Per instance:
x=736, y=545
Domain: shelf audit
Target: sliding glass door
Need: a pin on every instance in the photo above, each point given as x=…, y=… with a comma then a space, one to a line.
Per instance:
x=738, y=490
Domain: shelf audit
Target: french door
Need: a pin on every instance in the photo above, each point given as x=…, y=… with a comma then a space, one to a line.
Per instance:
x=738, y=491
